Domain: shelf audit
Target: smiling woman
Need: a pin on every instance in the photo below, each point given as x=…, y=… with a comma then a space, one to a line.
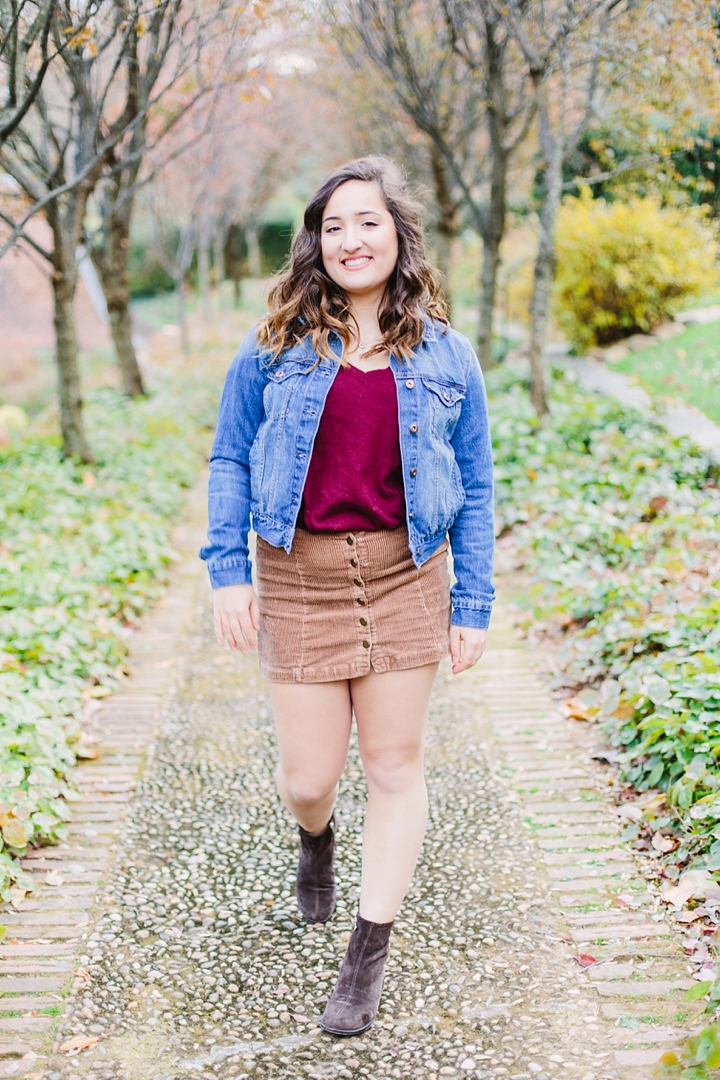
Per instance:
x=353, y=432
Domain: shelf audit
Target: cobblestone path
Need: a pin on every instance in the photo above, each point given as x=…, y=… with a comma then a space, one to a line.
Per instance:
x=163, y=942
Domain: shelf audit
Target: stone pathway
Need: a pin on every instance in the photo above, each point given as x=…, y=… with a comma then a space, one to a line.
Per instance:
x=162, y=941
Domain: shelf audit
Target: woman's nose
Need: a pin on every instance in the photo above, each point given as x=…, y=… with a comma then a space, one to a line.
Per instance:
x=351, y=241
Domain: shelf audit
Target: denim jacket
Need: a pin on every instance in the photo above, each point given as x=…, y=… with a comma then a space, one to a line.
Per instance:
x=269, y=416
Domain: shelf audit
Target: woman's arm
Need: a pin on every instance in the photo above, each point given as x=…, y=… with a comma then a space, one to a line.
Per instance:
x=241, y=412
x=472, y=535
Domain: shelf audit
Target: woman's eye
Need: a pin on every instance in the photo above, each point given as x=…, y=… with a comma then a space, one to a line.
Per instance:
x=373, y=223
x=332, y=228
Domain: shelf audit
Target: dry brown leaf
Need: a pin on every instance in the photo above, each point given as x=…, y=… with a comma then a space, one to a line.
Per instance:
x=86, y=753
x=693, y=885
x=574, y=709
x=79, y=1042
x=630, y=811
x=664, y=844
x=300, y=1019
x=691, y=916
x=54, y=878
x=627, y=900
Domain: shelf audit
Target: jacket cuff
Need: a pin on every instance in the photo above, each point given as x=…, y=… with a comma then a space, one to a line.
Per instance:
x=240, y=574
x=477, y=618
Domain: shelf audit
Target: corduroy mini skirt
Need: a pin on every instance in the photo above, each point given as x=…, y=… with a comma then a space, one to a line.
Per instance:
x=343, y=604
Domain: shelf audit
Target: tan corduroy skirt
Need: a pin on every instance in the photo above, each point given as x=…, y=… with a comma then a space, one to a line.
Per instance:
x=343, y=604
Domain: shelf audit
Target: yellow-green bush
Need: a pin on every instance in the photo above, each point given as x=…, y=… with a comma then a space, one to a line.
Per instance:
x=625, y=267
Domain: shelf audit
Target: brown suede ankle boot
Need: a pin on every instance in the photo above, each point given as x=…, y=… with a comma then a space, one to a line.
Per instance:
x=315, y=884
x=355, y=1000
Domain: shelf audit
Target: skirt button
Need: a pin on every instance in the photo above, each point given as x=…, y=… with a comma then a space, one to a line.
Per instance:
x=366, y=644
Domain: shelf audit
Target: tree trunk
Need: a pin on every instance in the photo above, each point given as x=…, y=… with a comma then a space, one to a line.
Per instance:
x=204, y=276
x=64, y=281
x=494, y=225
x=182, y=318
x=252, y=237
x=488, y=289
x=543, y=282
x=218, y=262
x=445, y=228
x=237, y=282
x=111, y=262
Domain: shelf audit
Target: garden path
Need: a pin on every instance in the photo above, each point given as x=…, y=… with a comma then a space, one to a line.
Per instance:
x=162, y=941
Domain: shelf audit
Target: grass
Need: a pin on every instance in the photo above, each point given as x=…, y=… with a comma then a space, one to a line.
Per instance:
x=684, y=369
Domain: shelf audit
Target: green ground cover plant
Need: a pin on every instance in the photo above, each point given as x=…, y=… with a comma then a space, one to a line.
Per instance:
x=619, y=526
x=85, y=551
x=686, y=368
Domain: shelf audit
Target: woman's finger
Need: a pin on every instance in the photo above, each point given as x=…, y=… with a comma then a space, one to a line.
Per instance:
x=237, y=632
x=248, y=629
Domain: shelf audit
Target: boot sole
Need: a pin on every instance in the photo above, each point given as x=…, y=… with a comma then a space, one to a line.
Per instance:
x=355, y=1031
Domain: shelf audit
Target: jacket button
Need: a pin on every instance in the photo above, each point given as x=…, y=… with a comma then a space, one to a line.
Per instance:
x=363, y=621
x=413, y=472
x=280, y=373
x=413, y=428
x=366, y=644
x=410, y=383
x=350, y=540
x=411, y=514
x=446, y=396
x=358, y=582
x=418, y=551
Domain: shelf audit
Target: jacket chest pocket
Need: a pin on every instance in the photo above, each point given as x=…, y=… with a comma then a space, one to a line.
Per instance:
x=444, y=402
x=284, y=382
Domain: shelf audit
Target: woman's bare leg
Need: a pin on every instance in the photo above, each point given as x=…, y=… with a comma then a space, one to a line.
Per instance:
x=313, y=730
x=391, y=713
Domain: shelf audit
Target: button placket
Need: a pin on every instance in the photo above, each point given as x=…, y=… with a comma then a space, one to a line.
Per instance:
x=355, y=576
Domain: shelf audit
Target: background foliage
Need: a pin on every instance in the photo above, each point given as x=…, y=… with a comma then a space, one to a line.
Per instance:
x=619, y=525
x=85, y=552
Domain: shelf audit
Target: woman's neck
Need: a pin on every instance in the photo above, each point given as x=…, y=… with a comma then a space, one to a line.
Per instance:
x=366, y=312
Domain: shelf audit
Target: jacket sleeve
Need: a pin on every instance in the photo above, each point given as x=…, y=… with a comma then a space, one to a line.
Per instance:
x=241, y=412
x=472, y=534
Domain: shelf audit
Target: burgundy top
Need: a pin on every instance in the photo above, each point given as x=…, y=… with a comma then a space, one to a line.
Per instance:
x=355, y=479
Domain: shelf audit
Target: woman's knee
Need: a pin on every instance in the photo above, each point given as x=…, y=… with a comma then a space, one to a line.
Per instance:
x=393, y=772
x=305, y=790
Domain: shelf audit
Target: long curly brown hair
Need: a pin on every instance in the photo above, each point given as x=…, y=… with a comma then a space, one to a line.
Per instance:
x=305, y=301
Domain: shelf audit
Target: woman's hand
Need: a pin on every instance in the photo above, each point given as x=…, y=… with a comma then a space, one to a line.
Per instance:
x=237, y=616
x=467, y=644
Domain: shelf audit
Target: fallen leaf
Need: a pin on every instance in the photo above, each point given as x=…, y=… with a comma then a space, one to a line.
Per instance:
x=574, y=709
x=627, y=900
x=693, y=885
x=664, y=844
x=86, y=753
x=83, y=973
x=299, y=1018
x=691, y=916
x=585, y=959
x=79, y=1042
x=630, y=811
x=54, y=878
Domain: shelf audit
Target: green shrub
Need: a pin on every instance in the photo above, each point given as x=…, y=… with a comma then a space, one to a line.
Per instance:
x=85, y=552
x=275, y=240
x=626, y=267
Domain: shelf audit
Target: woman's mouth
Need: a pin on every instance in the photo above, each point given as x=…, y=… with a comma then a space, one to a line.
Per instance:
x=357, y=262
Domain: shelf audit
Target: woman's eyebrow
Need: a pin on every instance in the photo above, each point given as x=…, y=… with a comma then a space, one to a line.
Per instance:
x=358, y=213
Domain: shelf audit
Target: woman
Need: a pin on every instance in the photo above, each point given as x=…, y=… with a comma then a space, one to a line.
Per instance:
x=353, y=430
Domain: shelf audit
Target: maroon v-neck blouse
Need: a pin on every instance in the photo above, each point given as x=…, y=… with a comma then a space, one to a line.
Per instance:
x=355, y=476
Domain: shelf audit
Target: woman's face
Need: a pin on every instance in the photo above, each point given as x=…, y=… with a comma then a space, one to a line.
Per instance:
x=359, y=239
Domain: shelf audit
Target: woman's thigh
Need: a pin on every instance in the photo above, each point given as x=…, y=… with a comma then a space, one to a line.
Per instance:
x=313, y=722
x=391, y=709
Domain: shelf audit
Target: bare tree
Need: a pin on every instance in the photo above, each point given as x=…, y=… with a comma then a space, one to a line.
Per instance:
x=68, y=137
x=209, y=50
x=562, y=43
x=458, y=81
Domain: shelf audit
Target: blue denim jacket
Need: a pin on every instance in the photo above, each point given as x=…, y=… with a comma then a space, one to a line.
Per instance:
x=269, y=416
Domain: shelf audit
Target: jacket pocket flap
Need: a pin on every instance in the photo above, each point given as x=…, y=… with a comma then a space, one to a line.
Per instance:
x=286, y=368
x=448, y=393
